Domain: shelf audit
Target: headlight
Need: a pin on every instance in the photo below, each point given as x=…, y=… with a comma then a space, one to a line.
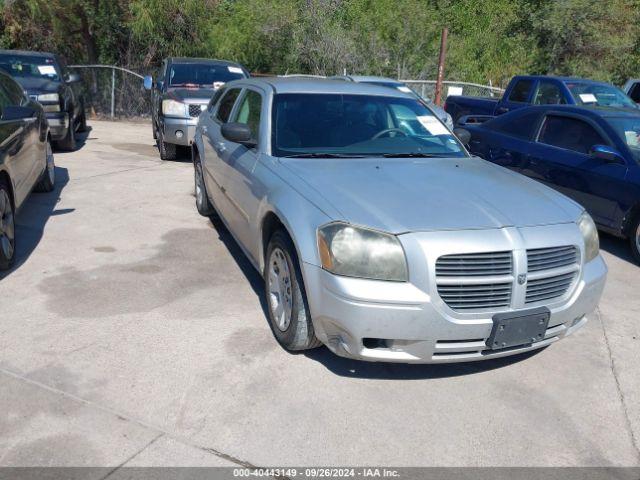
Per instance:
x=48, y=97
x=174, y=109
x=358, y=252
x=590, y=235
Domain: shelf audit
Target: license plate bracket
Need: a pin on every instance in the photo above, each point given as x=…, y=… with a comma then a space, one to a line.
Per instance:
x=519, y=328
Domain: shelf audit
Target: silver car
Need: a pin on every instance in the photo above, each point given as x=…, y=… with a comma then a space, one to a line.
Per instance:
x=379, y=236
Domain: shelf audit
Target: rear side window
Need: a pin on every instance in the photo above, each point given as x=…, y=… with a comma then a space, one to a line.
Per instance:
x=519, y=125
x=250, y=111
x=634, y=93
x=570, y=134
x=520, y=92
x=226, y=105
x=15, y=94
x=548, y=94
x=5, y=99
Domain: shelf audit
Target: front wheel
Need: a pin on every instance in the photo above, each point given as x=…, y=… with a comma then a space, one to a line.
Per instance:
x=48, y=179
x=7, y=228
x=168, y=151
x=634, y=239
x=286, y=297
x=202, y=199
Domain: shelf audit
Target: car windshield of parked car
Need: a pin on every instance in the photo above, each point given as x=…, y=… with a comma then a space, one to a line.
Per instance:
x=601, y=95
x=202, y=75
x=24, y=66
x=629, y=130
x=309, y=124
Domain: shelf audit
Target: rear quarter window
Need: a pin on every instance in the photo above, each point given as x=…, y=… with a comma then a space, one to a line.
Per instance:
x=521, y=90
x=522, y=126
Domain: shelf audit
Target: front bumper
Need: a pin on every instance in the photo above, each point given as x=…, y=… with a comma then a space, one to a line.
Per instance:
x=58, y=124
x=409, y=322
x=179, y=131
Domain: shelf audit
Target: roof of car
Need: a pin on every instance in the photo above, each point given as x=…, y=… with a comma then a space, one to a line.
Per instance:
x=318, y=85
x=564, y=79
x=202, y=60
x=592, y=111
x=27, y=53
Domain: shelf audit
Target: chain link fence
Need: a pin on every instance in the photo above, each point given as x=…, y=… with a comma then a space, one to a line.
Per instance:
x=117, y=92
x=427, y=89
x=114, y=92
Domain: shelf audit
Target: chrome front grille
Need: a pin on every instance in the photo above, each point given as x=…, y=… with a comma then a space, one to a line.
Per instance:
x=475, y=281
x=549, y=287
x=548, y=258
x=195, y=109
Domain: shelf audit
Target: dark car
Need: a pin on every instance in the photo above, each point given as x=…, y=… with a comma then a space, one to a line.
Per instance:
x=44, y=78
x=26, y=159
x=591, y=154
x=181, y=92
x=525, y=90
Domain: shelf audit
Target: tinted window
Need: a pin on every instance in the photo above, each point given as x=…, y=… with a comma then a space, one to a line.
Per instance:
x=635, y=92
x=520, y=92
x=202, y=74
x=361, y=125
x=570, y=134
x=14, y=92
x=628, y=128
x=599, y=94
x=226, y=105
x=30, y=66
x=548, y=94
x=517, y=125
x=5, y=99
x=249, y=112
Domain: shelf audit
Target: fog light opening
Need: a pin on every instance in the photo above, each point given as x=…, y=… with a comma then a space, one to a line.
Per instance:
x=375, y=343
x=179, y=134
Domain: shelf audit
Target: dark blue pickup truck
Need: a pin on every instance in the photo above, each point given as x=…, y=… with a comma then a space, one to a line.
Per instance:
x=528, y=90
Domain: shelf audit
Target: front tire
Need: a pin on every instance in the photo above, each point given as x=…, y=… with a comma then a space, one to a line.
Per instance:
x=7, y=228
x=168, y=151
x=202, y=198
x=286, y=297
x=634, y=238
x=68, y=143
x=48, y=179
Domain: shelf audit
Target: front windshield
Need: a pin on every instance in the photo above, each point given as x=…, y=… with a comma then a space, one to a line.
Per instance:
x=358, y=125
x=629, y=130
x=203, y=75
x=30, y=66
x=598, y=94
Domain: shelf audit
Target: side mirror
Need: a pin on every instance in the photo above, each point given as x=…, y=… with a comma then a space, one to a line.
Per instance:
x=73, y=78
x=607, y=153
x=238, y=133
x=147, y=82
x=17, y=113
x=159, y=84
x=463, y=135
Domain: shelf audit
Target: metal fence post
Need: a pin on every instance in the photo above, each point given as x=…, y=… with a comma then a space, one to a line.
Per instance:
x=113, y=92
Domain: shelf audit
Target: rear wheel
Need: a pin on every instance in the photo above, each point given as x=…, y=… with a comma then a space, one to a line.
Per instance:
x=7, y=228
x=83, y=122
x=286, y=297
x=48, y=178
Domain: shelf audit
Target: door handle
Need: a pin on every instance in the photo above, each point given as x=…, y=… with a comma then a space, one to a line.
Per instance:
x=204, y=129
x=219, y=146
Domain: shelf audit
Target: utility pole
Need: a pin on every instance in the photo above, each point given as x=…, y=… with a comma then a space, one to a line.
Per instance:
x=441, y=58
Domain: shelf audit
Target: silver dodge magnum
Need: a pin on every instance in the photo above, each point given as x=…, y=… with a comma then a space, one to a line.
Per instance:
x=379, y=236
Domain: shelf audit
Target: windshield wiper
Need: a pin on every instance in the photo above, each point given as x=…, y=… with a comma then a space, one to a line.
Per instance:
x=412, y=155
x=322, y=155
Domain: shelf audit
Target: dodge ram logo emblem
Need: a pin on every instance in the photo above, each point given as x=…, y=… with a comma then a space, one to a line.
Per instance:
x=522, y=279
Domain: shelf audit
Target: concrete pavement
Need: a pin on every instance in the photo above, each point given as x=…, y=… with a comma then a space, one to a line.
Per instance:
x=132, y=332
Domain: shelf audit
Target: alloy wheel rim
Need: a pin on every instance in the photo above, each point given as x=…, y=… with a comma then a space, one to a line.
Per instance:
x=7, y=227
x=51, y=166
x=281, y=302
x=199, y=189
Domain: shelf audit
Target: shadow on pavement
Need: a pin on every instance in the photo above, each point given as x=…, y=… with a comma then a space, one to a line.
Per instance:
x=32, y=218
x=617, y=246
x=355, y=368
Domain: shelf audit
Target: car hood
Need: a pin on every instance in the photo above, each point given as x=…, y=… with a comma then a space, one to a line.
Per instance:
x=38, y=85
x=409, y=195
x=182, y=94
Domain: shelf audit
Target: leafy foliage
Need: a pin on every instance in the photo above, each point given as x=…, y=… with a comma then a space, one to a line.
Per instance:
x=489, y=40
